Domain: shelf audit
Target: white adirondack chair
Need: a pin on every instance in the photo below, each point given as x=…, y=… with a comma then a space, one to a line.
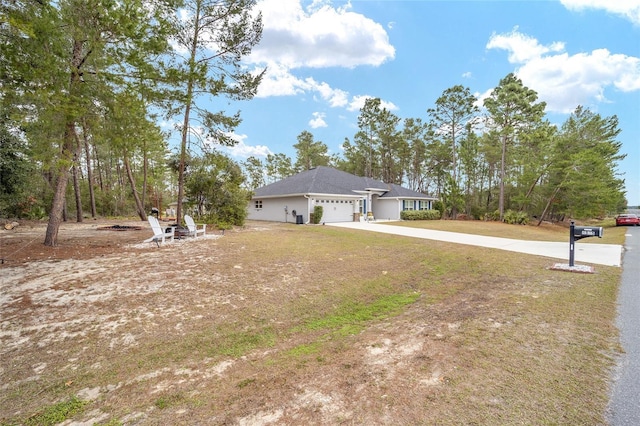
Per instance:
x=159, y=234
x=194, y=229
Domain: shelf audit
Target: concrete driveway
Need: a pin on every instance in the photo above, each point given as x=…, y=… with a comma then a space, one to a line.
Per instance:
x=599, y=254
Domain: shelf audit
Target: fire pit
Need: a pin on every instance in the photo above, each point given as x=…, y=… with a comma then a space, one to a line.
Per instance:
x=120, y=228
x=180, y=231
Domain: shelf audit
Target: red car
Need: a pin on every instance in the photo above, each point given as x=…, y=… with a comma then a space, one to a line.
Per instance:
x=627, y=219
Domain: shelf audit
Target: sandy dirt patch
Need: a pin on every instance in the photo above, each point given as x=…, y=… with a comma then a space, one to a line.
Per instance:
x=134, y=330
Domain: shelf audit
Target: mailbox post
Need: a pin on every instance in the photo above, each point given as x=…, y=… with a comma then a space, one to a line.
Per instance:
x=578, y=232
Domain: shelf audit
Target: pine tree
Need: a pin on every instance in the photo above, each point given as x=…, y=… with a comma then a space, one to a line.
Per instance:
x=216, y=35
x=513, y=111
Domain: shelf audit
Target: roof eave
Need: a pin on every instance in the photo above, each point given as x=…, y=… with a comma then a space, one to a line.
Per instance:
x=317, y=194
x=410, y=197
x=307, y=194
x=278, y=196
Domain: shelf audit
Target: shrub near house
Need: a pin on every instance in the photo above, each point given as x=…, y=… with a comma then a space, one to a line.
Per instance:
x=420, y=215
x=316, y=216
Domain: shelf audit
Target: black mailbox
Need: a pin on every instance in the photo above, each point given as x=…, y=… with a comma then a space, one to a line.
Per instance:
x=578, y=232
x=587, y=231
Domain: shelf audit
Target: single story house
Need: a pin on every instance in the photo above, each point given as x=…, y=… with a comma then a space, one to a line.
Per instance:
x=343, y=197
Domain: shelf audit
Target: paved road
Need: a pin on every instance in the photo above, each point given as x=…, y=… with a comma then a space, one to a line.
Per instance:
x=599, y=254
x=624, y=407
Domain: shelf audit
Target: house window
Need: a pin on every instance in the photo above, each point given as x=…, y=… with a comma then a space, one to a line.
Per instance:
x=258, y=204
x=407, y=205
x=423, y=205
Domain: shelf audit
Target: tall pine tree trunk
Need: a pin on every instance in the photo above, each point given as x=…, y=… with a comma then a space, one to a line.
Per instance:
x=490, y=176
x=183, y=155
x=62, y=178
x=98, y=167
x=57, y=208
x=76, y=183
x=132, y=182
x=67, y=156
x=76, y=191
x=92, y=195
x=546, y=208
x=502, y=177
x=529, y=192
x=144, y=172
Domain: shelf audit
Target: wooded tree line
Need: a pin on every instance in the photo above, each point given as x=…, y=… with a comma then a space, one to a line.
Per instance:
x=85, y=82
x=481, y=162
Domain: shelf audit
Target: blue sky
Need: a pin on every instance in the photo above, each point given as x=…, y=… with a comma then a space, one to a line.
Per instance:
x=325, y=58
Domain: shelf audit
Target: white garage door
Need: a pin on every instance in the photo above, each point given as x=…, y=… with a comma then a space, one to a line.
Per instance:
x=336, y=210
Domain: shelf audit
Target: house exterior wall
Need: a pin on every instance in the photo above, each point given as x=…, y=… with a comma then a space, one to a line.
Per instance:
x=391, y=208
x=273, y=209
x=386, y=209
x=335, y=208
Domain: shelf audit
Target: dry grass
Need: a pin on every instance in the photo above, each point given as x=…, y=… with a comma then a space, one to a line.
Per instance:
x=295, y=324
x=544, y=232
x=532, y=232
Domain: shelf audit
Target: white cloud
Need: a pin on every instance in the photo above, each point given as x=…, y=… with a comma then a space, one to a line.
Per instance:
x=521, y=47
x=467, y=74
x=166, y=125
x=565, y=81
x=201, y=141
x=242, y=150
x=318, y=120
x=480, y=97
x=322, y=36
x=318, y=4
x=335, y=97
x=279, y=81
x=358, y=102
x=629, y=9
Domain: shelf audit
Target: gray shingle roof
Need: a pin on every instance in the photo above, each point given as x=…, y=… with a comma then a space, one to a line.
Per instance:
x=327, y=180
x=397, y=191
